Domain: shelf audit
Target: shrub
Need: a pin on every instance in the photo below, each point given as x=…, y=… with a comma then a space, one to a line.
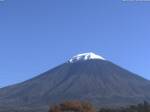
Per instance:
x=73, y=106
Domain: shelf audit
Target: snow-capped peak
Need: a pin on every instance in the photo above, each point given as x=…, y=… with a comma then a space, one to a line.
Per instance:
x=85, y=56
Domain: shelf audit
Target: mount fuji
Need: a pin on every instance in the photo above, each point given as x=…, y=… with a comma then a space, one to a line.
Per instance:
x=85, y=77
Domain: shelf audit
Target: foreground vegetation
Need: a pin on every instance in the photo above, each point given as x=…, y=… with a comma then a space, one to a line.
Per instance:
x=76, y=106
x=73, y=106
x=145, y=107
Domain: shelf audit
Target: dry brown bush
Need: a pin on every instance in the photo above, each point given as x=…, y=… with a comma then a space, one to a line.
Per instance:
x=74, y=106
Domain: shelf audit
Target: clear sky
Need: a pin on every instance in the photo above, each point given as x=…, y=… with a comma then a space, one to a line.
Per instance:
x=37, y=35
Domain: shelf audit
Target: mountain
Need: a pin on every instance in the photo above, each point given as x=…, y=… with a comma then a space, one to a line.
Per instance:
x=86, y=77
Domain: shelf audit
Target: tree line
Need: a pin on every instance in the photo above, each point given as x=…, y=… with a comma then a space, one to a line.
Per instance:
x=143, y=107
x=77, y=106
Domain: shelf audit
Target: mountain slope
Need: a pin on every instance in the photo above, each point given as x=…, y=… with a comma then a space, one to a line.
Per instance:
x=98, y=81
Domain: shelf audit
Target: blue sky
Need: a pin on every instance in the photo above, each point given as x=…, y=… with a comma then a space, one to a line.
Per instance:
x=36, y=35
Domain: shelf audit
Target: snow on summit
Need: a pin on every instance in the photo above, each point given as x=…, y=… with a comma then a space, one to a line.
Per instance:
x=85, y=56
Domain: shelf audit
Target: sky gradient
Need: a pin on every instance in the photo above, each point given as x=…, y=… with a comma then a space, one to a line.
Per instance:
x=37, y=35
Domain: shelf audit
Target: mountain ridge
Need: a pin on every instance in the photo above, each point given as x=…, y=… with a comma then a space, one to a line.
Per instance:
x=98, y=81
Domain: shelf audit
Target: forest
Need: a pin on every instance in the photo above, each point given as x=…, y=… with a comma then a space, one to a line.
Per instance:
x=77, y=106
